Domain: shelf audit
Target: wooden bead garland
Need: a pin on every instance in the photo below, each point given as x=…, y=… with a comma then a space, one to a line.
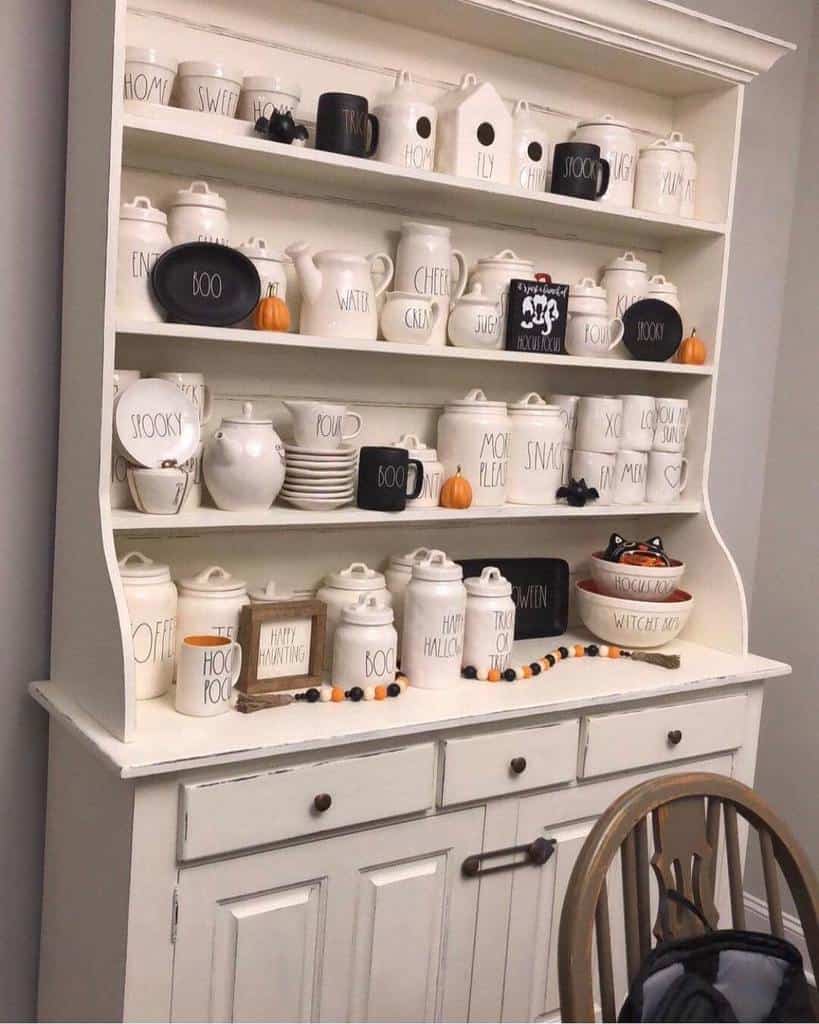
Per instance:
x=336, y=694
x=534, y=668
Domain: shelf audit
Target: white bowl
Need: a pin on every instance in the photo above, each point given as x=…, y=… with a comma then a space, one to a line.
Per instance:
x=632, y=623
x=149, y=76
x=209, y=87
x=636, y=582
x=262, y=94
x=158, y=491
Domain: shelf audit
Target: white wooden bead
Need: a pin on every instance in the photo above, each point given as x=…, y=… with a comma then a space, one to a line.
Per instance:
x=483, y=674
x=571, y=650
x=403, y=682
x=604, y=651
x=369, y=693
x=326, y=693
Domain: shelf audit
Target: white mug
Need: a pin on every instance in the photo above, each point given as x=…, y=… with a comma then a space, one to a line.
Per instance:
x=599, y=424
x=193, y=385
x=639, y=417
x=568, y=415
x=161, y=491
x=670, y=425
x=597, y=469
x=590, y=335
x=667, y=477
x=630, y=470
x=321, y=424
x=207, y=668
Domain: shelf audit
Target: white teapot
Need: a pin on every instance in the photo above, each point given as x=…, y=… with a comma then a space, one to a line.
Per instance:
x=244, y=463
x=338, y=294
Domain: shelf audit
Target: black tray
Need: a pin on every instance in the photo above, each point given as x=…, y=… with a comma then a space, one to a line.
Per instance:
x=540, y=590
x=206, y=283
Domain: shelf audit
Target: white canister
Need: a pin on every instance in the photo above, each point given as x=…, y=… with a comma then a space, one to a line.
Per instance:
x=490, y=621
x=152, y=606
x=568, y=416
x=120, y=492
x=342, y=588
x=535, y=453
x=143, y=237
x=270, y=264
x=659, y=177
x=262, y=95
x=473, y=433
x=531, y=154
x=434, y=619
x=406, y=126
x=365, y=647
x=210, y=603
x=618, y=145
x=590, y=331
x=494, y=273
x=149, y=76
x=430, y=495
x=423, y=264
x=688, y=174
x=626, y=282
x=198, y=215
x=209, y=87
x=659, y=287
x=599, y=423
x=398, y=575
x=475, y=321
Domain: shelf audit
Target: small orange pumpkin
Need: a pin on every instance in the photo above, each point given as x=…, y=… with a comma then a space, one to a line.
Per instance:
x=271, y=314
x=456, y=492
x=692, y=350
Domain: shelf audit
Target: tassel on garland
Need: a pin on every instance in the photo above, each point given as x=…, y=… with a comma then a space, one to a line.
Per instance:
x=662, y=660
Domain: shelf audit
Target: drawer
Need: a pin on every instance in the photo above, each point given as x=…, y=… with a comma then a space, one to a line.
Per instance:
x=254, y=810
x=481, y=766
x=636, y=739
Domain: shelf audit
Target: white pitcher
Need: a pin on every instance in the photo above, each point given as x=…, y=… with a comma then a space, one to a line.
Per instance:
x=424, y=266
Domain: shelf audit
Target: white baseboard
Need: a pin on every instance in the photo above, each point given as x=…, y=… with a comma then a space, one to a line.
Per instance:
x=756, y=918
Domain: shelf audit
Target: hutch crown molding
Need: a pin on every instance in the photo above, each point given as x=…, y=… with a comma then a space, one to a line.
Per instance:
x=209, y=881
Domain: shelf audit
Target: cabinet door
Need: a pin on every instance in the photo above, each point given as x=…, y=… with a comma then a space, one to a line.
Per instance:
x=371, y=926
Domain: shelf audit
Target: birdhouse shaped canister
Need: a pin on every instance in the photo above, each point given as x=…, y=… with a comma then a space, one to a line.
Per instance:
x=531, y=157
x=407, y=124
x=474, y=133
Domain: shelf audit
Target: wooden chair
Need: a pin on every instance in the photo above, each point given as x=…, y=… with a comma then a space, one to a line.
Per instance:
x=685, y=823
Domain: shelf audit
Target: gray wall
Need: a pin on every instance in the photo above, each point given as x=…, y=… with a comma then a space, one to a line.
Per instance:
x=33, y=43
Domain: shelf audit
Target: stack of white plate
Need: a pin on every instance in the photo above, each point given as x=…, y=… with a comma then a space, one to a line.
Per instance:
x=318, y=479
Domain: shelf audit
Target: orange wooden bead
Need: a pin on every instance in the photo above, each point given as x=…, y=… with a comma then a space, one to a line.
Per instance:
x=493, y=675
x=544, y=664
x=579, y=650
x=614, y=652
x=381, y=693
x=526, y=672
x=338, y=694
x=556, y=654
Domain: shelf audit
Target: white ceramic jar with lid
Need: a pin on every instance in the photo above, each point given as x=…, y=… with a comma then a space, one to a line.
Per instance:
x=407, y=124
x=430, y=495
x=342, y=588
x=626, y=282
x=262, y=95
x=688, y=174
x=589, y=331
x=365, y=647
x=210, y=603
x=490, y=621
x=530, y=150
x=535, y=452
x=659, y=179
x=659, y=287
x=473, y=433
x=494, y=273
x=271, y=266
x=152, y=607
x=398, y=575
x=618, y=145
x=434, y=619
x=143, y=237
x=475, y=321
x=197, y=214
x=149, y=76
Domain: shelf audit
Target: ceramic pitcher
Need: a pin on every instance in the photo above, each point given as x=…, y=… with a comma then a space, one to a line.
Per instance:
x=424, y=266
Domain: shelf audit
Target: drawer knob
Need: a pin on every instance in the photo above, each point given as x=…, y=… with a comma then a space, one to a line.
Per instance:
x=518, y=765
x=674, y=737
x=322, y=802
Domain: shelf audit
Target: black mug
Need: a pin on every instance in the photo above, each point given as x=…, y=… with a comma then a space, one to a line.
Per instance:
x=578, y=170
x=383, y=475
x=341, y=124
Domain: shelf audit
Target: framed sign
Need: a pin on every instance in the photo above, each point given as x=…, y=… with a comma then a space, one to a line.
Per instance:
x=536, y=316
x=540, y=590
x=652, y=329
x=282, y=645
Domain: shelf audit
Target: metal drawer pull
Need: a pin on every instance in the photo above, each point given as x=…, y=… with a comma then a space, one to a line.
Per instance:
x=674, y=737
x=322, y=802
x=537, y=853
x=518, y=765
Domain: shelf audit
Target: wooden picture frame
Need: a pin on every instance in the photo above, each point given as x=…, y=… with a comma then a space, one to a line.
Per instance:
x=273, y=649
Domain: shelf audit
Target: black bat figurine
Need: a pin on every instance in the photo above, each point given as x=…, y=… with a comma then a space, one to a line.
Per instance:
x=578, y=492
x=280, y=127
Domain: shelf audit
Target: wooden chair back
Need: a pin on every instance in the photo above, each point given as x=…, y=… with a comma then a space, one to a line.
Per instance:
x=682, y=814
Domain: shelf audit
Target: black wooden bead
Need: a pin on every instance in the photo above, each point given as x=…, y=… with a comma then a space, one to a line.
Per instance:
x=393, y=690
x=356, y=693
x=470, y=672
x=312, y=695
x=625, y=654
x=563, y=652
x=510, y=675
x=299, y=696
x=592, y=650
x=536, y=669
x=551, y=659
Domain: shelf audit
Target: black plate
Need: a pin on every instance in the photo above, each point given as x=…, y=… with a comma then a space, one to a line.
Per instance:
x=206, y=283
x=653, y=330
x=540, y=590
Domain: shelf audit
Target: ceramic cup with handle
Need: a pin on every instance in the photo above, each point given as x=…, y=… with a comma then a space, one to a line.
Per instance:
x=193, y=385
x=599, y=423
x=321, y=424
x=597, y=469
x=639, y=417
x=160, y=491
x=578, y=170
x=630, y=470
x=385, y=479
x=667, y=477
x=568, y=414
x=206, y=671
x=670, y=425
x=410, y=317
x=341, y=125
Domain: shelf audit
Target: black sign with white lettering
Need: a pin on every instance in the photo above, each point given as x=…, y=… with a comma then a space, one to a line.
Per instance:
x=653, y=330
x=536, y=316
x=206, y=283
x=540, y=590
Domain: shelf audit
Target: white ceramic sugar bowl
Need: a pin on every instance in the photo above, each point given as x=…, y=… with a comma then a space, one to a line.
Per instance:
x=430, y=495
x=143, y=237
x=590, y=331
x=618, y=145
x=365, y=647
x=152, y=607
x=342, y=588
x=490, y=621
x=473, y=434
x=530, y=151
x=475, y=321
x=659, y=287
x=398, y=575
x=243, y=463
x=407, y=124
x=434, y=616
x=494, y=273
x=626, y=282
x=535, y=452
x=198, y=215
x=210, y=603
